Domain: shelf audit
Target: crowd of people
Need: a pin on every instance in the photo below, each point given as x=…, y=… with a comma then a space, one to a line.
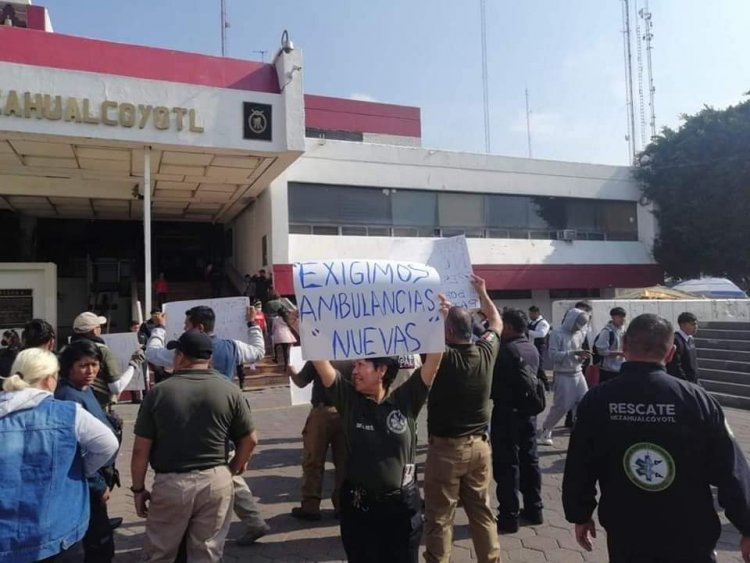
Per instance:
x=644, y=432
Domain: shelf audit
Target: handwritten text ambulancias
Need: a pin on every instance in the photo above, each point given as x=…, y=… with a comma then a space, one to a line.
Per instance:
x=377, y=302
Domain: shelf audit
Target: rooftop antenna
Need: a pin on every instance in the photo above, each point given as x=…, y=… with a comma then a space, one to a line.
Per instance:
x=628, y=81
x=639, y=62
x=647, y=37
x=485, y=86
x=528, y=122
x=224, y=27
x=262, y=53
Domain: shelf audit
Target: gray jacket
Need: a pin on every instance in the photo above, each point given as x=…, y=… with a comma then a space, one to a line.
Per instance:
x=565, y=341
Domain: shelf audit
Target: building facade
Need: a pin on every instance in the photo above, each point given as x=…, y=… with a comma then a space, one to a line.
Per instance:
x=246, y=174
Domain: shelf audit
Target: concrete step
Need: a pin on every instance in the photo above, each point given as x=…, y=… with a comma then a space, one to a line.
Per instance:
x=734, y=401
x=723, y=365
x=724, y=334
x=725, y=325
x=722, y=344
x=732, y=355
x=736, y=389
x=261, y=381
x=724, y=376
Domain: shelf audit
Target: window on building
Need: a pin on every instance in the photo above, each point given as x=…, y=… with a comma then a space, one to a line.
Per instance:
x=414, y=208
x=508, y=294
x=400, y=212
x=460, y=210
x=507, y=211
x=581, y=215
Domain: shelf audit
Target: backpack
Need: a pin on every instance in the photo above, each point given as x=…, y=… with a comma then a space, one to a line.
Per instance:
x=528, y=395
x=596, y=358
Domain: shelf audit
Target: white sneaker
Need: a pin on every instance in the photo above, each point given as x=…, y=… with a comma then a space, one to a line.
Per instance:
x=544, y=437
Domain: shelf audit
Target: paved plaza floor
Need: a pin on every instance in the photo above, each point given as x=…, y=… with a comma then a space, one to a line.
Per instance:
x=274, y=476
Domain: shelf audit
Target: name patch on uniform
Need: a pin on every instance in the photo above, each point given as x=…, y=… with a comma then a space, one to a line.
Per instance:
x=643, y=412
x=649, y=467
x=362, y=426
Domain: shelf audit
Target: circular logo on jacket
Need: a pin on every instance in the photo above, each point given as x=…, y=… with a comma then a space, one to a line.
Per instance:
x=649, y=467
x=396, y=422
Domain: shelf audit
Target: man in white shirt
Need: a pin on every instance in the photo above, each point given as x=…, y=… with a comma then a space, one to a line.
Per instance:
x=538, y=330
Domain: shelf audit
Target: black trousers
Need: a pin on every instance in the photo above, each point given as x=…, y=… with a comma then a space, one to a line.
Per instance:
x=606, y=375
x=632, y=552
x=99, y=541
x=515, y=463
x=381, y=530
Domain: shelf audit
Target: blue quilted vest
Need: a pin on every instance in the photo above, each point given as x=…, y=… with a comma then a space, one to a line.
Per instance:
x=224, y=358
x=44, y=504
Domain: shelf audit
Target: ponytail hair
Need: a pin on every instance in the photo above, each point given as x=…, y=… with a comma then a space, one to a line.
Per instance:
x=29, y=368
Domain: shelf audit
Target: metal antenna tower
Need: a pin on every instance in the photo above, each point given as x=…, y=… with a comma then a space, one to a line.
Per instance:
x=528, y=122
x=224, y=26
x=647, y=37
x=628, y=80
x=639, y=62
x=485, y=85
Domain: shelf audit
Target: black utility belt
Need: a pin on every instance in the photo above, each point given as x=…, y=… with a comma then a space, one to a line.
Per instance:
x=362, y=496
x=192, y=469
x=322, y=406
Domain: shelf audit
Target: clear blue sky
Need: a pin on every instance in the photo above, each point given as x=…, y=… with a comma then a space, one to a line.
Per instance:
x=426, y=53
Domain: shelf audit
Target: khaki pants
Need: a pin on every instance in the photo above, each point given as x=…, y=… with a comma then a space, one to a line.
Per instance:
x=459, y=469
x=196, y=505
x=245, y=506
x=323, y=427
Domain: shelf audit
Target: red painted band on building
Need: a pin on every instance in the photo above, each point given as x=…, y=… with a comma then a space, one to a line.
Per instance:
x=337, y=114
x=39, y=48
x=537, y=276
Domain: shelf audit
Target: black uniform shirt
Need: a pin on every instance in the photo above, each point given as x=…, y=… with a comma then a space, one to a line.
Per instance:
x=507, y=369
x=381, y=438
x=654, y=444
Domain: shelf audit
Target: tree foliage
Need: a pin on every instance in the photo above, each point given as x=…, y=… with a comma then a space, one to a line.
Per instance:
x=699, y=179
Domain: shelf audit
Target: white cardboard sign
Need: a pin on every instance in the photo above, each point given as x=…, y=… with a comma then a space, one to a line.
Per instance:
x=231, y=316
x=122, y=345
x=298, y=396
x=450, y=257
x=367, y=308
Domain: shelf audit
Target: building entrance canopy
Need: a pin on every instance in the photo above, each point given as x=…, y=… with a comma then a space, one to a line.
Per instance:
x=77, y=117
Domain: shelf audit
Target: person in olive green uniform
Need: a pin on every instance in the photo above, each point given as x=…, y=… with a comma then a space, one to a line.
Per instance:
x=459, y=457
x=380, y=506
x=322, y=429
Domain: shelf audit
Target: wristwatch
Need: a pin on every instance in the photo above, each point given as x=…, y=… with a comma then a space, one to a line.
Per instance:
x=251, y=324
x=136, y=491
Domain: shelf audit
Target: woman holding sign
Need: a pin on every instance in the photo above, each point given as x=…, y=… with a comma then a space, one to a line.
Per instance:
x=380, y=506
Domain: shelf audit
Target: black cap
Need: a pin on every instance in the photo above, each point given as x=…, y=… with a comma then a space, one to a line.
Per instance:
x=194, y=344
x=155, y=310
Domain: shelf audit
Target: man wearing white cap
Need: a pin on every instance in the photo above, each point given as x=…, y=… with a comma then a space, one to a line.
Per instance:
x=109, y=382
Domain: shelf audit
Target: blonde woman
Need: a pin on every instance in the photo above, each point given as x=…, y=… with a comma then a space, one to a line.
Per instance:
x=49, y=447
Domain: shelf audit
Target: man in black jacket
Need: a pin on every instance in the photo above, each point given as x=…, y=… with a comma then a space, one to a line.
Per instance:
x=655, y=445
x=684, y=363
x=515, y=463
